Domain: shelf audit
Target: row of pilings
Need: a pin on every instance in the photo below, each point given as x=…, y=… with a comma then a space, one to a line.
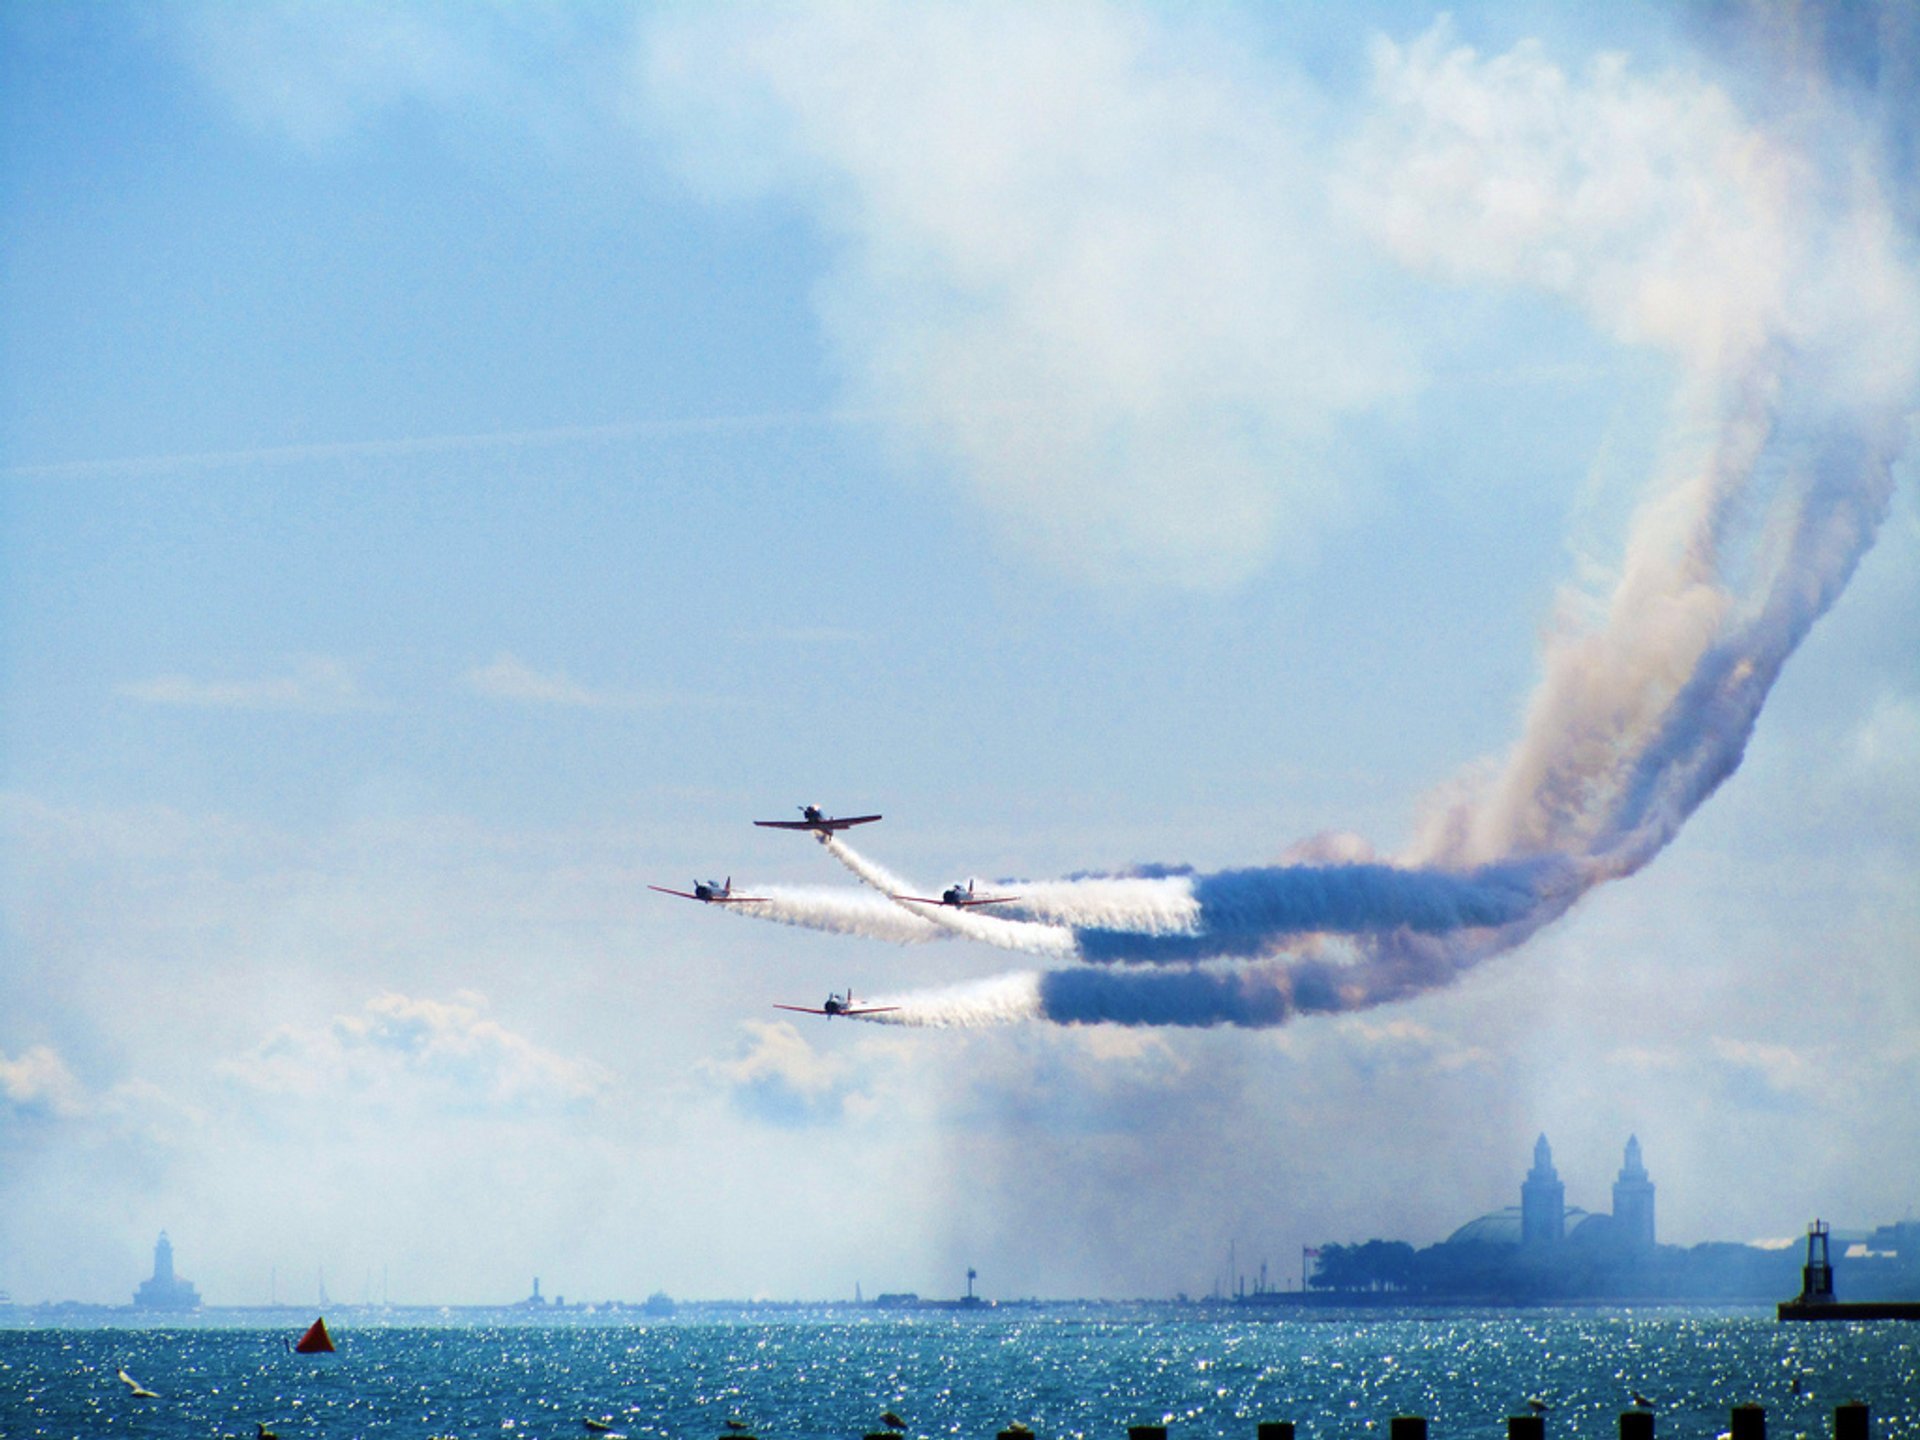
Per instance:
x=1851, y=1421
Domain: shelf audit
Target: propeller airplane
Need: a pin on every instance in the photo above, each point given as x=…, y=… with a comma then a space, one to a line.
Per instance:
x=959, y=899
x=817, y=821
x=835, y=1005
x=711, y=892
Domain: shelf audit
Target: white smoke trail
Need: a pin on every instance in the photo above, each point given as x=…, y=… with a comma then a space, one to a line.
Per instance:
x=1157, y=905
x=839, y=912
x=1025, y=936
x=998, y=1000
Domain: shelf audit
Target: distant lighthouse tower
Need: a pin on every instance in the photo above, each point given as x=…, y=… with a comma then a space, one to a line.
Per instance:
x=164, y=1290
x=1543, y=1200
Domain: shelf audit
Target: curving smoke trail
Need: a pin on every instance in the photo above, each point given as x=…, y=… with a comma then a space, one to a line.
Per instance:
x=1779, y=282
x=1231, y=913
x=1023, y=935
x=1768, y=260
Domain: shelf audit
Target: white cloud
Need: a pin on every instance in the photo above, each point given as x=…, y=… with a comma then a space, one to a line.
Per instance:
x=778, y=1077
x=1759, y=1074
x=39, y=1082
x=1403, y=1043
x=316, y=683
x=1885, y=748
x=322, y=72
x=1084, y=260
x=507, y=677
x=404, y=1051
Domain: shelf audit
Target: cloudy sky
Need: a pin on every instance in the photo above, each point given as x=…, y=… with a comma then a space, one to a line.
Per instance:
x=459, y=466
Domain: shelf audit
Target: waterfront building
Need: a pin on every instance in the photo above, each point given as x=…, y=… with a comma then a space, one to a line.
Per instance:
x=1543, y=1200
x=1543, y=1216
x=164, y=1290
x=1633, y=1201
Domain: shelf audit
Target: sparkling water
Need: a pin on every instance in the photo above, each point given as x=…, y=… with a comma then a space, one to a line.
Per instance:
x=1067, y=1372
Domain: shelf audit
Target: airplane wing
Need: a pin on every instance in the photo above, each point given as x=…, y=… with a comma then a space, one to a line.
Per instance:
x=814, y=1010
x=958, y=904
x=710, y=899
x=818, y=826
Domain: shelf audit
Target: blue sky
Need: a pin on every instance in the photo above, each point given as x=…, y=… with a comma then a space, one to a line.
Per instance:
x=460, y=467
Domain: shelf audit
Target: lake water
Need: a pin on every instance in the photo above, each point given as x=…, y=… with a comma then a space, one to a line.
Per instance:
x=1070, y=1373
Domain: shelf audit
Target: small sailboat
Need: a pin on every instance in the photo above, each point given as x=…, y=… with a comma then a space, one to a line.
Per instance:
x=316, y=1341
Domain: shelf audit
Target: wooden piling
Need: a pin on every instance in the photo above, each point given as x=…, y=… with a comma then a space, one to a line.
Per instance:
x=1636, y=1425
x=1749, y=1423
x=1146, y=1432
x=1851, y=1422
x=1407, y=1427
x=1274, y=1430
x=1526, y=1427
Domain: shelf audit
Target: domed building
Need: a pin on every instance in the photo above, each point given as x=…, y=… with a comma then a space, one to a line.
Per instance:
x=1543, y=1219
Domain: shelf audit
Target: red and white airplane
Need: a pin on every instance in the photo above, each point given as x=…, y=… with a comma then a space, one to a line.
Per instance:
x=817, y=821
x=836, y=1006
x=711, y=892
x=959, y=899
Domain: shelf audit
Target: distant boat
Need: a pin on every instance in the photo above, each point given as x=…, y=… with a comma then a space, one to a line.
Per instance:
x=316, y=1341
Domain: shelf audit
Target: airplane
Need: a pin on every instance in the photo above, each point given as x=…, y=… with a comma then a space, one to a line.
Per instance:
x=959, y=899
x=711, y=892
x=817, y=821
x=836, y=1006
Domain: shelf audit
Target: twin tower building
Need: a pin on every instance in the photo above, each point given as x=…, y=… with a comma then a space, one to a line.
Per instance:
x=1544, y=1216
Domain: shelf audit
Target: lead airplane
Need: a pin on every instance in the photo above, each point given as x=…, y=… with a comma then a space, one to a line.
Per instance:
x=959, y=899
x=711, y=892
x=836, y=1006
x=819, y=822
